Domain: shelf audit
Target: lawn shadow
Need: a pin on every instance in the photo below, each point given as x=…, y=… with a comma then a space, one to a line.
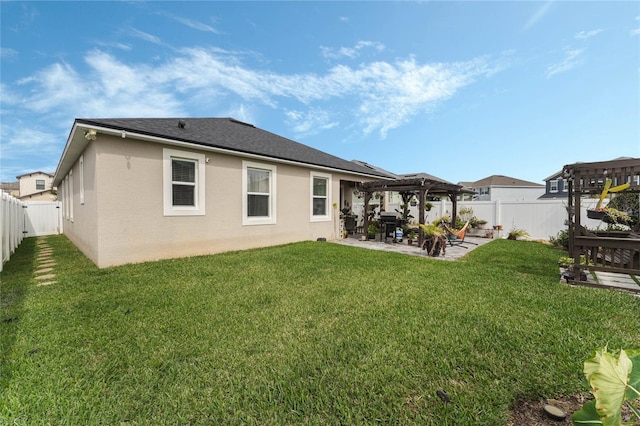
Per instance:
x=15, y=282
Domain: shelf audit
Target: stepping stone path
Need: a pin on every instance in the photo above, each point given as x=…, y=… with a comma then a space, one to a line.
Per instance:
x=44, y=275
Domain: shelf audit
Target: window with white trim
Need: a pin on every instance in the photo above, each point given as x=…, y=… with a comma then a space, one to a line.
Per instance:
x=40, y=184
x=320, y=197
x=71, y=195
x=258, y=193
x=81, y=170
x=65, y=185
x=553, y=186
x=183, y=183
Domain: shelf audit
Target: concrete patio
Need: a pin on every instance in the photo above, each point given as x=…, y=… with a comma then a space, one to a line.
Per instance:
x=452, y=253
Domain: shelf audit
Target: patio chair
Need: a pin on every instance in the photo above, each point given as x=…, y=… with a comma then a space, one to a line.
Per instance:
x=457, y=237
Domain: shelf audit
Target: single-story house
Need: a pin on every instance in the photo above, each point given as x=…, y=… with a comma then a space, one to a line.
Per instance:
x=142, y=189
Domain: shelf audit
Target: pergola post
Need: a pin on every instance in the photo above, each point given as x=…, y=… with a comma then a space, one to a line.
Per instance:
x=454, y=209
x=365, y=221
x=422, y=195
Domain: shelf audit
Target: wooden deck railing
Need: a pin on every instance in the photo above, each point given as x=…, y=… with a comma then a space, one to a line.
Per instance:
x=610, y=254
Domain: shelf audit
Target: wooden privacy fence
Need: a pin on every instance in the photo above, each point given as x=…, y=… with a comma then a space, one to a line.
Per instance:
x=20, y=219
x=11, y=226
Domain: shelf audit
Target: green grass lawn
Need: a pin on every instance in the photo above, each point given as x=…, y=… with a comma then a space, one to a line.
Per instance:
x=306, y=333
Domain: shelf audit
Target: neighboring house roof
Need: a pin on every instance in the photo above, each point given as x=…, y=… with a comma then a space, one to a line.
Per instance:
x=219, y=133
x=424, y=176
x=34, y=173
x=36, y=194
x=556, y=175
x=553, y=195
x=9, y=186
x=500, y=180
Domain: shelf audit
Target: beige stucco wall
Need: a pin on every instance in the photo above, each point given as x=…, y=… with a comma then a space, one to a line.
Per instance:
x=28, y=183
x=82, y=230
x=122, y=219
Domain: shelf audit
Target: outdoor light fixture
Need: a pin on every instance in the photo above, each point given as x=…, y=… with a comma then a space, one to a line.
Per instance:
x=90, y=134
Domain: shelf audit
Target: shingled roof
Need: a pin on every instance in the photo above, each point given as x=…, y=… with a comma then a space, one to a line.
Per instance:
x=499, y=180
x=232, y=135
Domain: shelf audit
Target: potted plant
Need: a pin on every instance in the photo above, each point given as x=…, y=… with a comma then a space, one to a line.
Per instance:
x=411, y=236
x=373, y=230
x=434, y=239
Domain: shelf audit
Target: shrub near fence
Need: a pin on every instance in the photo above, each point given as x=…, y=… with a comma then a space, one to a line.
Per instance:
x=11, y=226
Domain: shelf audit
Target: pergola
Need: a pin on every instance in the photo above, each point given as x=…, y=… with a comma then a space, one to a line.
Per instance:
x=602, y=250
x=415, y=186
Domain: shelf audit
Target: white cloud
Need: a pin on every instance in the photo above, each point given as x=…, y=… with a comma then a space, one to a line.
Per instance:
x=571, y=60
x=350, y=52
x=376, y=96
x=145, y=36
x=7, y=52
x=583, y=35
x=311, y=122
x=538, y=15
x=196, y=25
x=121, y=46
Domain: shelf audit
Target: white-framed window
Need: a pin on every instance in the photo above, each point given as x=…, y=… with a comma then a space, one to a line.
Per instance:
x=71, y=195
x=183, y=183
x=258, y=193
x=320, y=197
x=65, y=185
x=81, y=170
x=553, y=185
x=39, y=184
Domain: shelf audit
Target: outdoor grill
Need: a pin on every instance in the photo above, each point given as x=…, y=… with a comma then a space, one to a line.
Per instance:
x=389, y=221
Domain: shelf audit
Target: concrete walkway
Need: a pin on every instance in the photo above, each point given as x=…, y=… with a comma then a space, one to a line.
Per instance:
x=452, y=253
x=44, y=275
x=612, y=280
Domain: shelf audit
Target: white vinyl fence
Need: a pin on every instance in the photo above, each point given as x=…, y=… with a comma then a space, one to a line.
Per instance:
x=42, y=218
x=11, y=226
x=540, y=218
x=25, y=219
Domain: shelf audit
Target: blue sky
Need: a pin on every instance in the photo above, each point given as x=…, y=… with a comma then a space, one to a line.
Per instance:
x=460, y=90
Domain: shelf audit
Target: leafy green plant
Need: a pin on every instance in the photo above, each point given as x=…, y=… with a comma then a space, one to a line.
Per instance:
x=465, y=214
x=560, y=240
x=477, y=223
x=615, y=382
x=568, y=261
x=615, y=216
x=431, y=230
x=514, y=234
x=405, y=213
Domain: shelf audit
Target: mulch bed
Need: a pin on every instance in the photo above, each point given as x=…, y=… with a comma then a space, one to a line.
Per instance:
x=530, y=413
